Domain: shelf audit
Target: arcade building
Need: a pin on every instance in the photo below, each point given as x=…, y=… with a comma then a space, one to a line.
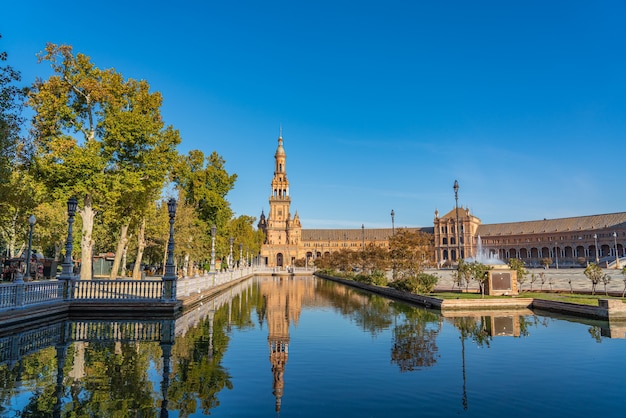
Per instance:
x=568, y=242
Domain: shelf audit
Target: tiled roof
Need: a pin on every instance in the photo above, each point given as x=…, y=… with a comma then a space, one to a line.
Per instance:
x=578, y=223
x=371, y=234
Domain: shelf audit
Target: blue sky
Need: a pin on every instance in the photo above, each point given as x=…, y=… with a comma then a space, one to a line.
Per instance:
x=382, y=104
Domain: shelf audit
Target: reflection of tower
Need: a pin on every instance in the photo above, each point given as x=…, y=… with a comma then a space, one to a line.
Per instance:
x=283, y=301
x=279, y=353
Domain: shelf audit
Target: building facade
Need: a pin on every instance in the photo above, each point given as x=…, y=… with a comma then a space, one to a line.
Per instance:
x=569, y=242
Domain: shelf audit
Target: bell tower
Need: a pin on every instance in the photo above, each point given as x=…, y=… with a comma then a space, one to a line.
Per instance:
x=282, y=231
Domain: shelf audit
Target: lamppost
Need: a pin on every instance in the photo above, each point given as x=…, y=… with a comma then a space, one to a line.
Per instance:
x=240, y=255
x=31, y=222
x=556, y=254
x=230, y=258
x=363, y=244
x=616, y=253
x=213, y=231
x=393, y=233
x=169, y=278
x=66, y=272
x=457, y=228
x=595, y=237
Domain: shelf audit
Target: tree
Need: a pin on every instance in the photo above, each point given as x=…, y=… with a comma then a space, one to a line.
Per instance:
x=606, y=279
x=593, y=273
x=140, y=152
x=463, y=274
x=11, y=119
x=204, y=183
x=17, y=188
x=624, y=275
x=68, y=127
x=480, y=273
x=546, y=262
x=518, y=265
x=101, y=138
x=410, y=252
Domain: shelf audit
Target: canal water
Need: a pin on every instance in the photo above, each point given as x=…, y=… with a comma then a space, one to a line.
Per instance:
x=306, y=347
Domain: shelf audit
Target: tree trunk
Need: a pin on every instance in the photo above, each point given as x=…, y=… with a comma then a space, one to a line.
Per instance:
x=121, y=244
x=87, y=214
x=186, y=270
x=141, y=245
x=123, y=272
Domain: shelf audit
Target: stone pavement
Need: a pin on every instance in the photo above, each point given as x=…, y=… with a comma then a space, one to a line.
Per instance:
x=557, y=278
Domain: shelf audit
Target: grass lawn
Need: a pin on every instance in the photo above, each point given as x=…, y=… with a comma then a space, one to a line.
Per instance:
x=561, y=297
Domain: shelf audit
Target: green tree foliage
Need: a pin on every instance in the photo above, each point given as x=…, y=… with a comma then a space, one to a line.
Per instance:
x=595, y=274
x=101, y=138
x=463, y=274
x=17, y=188
x=518, y=265
x=11, y=119
x=423, y=283
x=204, y=184
x=479, y=272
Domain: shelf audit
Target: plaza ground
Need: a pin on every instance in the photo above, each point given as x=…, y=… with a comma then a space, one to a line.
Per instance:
x=555, y=279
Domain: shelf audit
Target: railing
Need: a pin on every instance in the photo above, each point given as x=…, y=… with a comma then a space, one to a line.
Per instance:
x=19, y=295
x=117, y=290
x=22, y=294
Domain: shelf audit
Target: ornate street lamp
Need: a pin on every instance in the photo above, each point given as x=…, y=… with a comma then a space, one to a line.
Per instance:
x=616, y=253
x=230, y=258
x=393, y=228
x=213, y=231
x=169, y=278
x=595, y=237
x=457, y=228
x=66, y=272
x=31, y=222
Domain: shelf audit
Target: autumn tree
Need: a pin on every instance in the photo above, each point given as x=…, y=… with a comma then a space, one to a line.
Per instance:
x=140, y=152
x=101, y=138
x=68, y=127
x=410, y=252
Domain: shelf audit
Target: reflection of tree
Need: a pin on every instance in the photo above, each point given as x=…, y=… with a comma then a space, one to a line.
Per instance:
x=415, y=340
x=197, y=370
x=117, y=381
x=198, y=373
x=372, y=312
x=476, y=330
x=596, y=333
x=37, y=373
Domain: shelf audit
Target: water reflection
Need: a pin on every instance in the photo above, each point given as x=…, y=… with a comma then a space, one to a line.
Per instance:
x=179, y=367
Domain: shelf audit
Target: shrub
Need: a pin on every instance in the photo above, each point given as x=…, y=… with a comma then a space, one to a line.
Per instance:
x=422, y=283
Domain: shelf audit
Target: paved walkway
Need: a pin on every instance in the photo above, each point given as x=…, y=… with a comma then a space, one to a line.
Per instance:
x=557, y=278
